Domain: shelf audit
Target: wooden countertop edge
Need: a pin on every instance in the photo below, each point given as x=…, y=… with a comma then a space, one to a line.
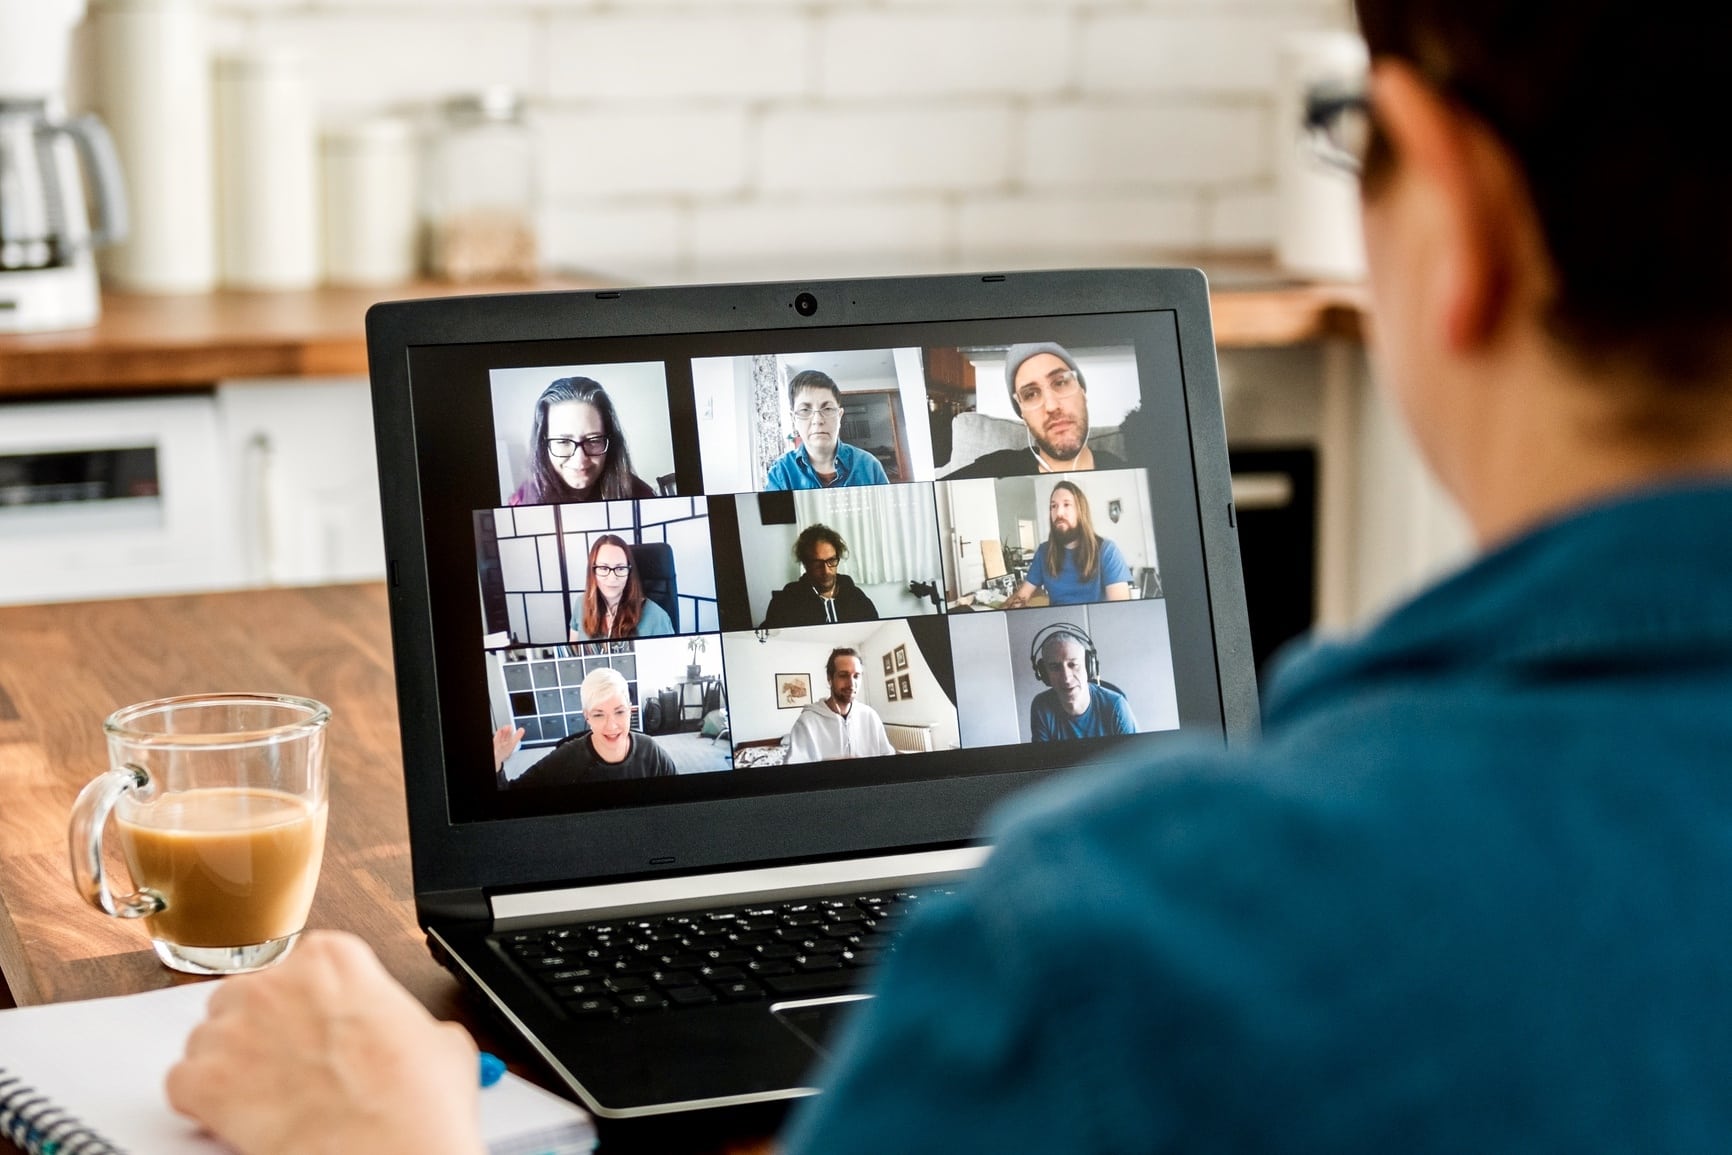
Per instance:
x=222, y=337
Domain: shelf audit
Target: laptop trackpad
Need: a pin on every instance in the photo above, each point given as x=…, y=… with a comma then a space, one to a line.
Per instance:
x=814, y=1021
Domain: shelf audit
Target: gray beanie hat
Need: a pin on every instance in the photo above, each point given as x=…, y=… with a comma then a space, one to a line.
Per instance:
x=1017, y=354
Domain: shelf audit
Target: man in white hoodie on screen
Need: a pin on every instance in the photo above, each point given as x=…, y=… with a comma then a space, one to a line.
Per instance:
x=839, y=726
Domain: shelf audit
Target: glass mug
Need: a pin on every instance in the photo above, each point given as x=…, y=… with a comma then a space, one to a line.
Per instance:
x=219, y=802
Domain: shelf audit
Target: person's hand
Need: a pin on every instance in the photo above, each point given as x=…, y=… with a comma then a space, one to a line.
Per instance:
x=505, y=740
x=326, y=1053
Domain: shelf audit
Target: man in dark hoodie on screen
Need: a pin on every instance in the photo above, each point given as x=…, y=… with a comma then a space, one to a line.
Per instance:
x=821, y=594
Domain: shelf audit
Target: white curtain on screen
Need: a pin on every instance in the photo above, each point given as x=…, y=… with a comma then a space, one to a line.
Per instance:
x=890, y=530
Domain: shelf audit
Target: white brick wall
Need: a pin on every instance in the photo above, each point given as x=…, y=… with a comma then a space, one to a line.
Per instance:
x=703, y=138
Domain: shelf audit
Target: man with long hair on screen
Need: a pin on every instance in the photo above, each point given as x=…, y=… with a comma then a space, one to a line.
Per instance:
x=1074, y=564
x=1468, y=893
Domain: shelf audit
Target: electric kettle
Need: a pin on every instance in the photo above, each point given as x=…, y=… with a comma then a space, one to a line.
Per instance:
x=47, y=160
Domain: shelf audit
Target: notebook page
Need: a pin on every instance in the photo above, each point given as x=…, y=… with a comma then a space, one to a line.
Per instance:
x=104, y=1062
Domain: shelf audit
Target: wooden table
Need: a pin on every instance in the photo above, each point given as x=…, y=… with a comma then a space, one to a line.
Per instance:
x=64, y=668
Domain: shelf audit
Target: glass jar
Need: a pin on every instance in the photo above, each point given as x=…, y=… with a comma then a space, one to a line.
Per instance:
x=480, y=208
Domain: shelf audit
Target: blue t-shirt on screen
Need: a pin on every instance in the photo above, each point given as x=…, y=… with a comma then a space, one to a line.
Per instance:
x=854, y=466
x=1108, y=714
x=1066, y=588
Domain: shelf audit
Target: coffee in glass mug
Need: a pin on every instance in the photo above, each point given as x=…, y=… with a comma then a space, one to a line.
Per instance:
x=219, y=803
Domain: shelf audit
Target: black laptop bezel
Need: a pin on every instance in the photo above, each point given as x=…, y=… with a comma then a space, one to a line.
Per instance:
x=456, y=865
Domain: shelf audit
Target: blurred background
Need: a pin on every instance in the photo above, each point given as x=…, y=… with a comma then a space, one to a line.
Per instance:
x=286, y=162
x=717, y=139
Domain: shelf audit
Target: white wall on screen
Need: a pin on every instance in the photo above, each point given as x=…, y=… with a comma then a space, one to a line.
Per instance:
x=927, y=705
x=716, y=399
x=1135, y=644
x=985, y=693
x=911, y=379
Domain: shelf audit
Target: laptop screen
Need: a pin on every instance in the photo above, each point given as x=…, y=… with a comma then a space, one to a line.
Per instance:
x=673, y=568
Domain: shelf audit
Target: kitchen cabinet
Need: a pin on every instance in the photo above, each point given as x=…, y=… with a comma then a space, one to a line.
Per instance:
x=300, y=465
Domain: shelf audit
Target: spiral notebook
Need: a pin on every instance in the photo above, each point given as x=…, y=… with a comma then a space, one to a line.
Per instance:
x=86, y=1078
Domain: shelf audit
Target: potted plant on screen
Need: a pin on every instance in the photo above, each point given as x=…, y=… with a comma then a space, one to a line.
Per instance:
x=696, y=645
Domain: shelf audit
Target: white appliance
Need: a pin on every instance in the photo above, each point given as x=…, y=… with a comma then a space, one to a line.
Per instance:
x=114, y=497
x=47, y=272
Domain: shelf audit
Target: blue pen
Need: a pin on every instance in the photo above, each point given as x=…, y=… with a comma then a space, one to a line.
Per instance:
x=492, y=1069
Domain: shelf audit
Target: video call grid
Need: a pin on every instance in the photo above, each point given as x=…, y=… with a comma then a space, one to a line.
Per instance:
x=1147, y=583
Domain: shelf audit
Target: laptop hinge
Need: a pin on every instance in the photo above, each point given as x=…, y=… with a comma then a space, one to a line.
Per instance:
x=649, y=895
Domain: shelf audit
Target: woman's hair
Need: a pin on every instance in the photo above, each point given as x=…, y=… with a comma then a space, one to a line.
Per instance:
x=630, y=600
x=1088, y=546
x=603, y=685
x=544, y=486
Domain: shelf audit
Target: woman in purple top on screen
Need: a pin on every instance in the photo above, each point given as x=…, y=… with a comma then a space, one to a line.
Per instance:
x=576, y=449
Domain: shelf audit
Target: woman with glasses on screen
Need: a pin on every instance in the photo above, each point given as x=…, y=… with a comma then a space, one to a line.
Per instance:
x=822, y=459
x=576, y=449
x=614, y=605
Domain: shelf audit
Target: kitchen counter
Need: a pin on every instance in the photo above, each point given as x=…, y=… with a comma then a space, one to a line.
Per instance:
x=165, y=343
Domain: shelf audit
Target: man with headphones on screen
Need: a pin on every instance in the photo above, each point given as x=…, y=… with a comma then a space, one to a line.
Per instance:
x=1074, y=704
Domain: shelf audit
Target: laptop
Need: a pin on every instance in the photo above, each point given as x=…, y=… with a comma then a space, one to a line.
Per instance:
x=723, y=615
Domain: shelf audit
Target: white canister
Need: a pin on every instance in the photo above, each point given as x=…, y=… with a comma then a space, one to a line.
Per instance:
x=1318, y=233
x=371, y=211
x=152, y=79
x=35, y=36
x=267, y=172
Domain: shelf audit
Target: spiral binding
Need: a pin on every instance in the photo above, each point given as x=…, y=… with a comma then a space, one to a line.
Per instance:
x=36, y=1126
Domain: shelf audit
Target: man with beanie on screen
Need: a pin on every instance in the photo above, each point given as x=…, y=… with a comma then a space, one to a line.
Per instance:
x=1049, y=394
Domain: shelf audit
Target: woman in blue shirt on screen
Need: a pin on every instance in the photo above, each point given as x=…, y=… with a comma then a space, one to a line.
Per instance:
x=1074, y=564
x=614, y=605
x=822, y=460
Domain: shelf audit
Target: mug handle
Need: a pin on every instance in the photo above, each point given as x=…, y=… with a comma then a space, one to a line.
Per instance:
x=89, y=815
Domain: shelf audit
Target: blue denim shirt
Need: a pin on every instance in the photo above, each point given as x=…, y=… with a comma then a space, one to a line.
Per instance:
x=1472, y=892
x=854, y=466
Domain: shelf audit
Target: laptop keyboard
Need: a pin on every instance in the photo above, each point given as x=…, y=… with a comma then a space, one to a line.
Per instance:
x=793, y=949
